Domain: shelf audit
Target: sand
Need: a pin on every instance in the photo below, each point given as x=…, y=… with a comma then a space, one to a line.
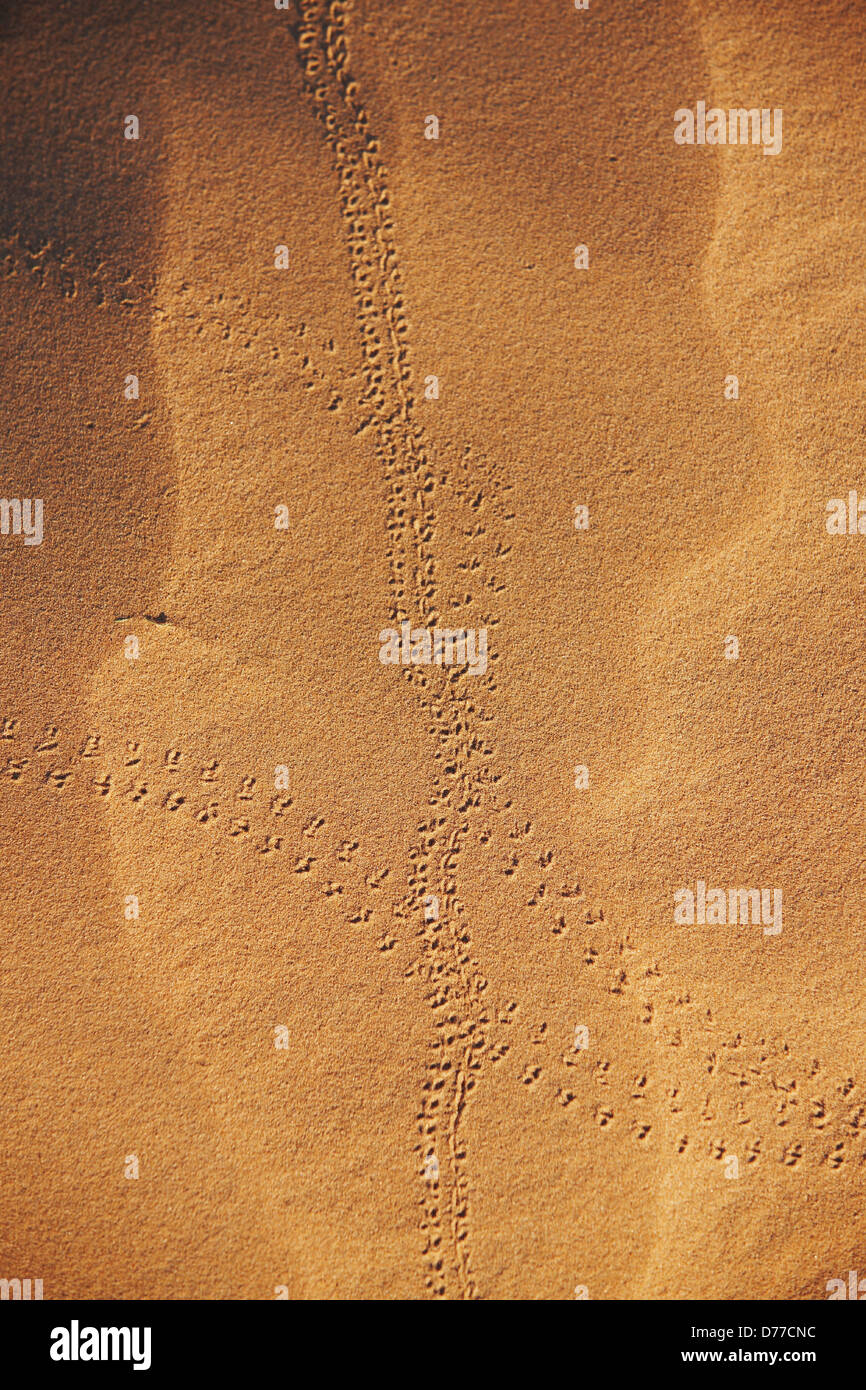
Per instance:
x=321, y=977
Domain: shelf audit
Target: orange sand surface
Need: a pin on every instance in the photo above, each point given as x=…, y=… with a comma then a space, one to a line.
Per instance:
x=338, y=956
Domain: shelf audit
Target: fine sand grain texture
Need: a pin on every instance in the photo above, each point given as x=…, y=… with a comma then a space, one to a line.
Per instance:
x=333, y=978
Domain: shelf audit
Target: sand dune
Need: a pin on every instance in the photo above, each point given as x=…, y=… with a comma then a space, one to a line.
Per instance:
x=312, y=938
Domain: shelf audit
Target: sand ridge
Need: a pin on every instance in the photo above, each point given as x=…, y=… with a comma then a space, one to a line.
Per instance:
x=334, y=1014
